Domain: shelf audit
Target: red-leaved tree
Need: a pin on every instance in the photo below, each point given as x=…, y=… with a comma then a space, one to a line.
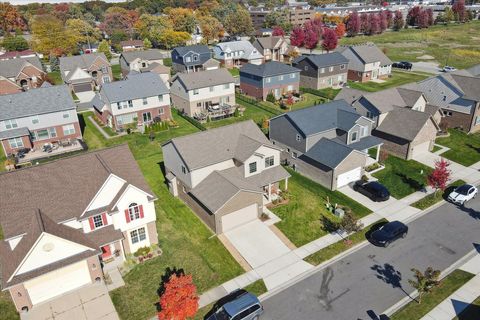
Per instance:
x=459, y=10
x=340, y=29
x=364, y=23
x=297, y=37
x=330, y=39
x=382, y=15
x=353, y=24
x=440, y=176
x=311, y=38
x=422, y=19
x=373, y=24
x=179, y=300
x=278, y=31
x=389, y=16
x=398, y=21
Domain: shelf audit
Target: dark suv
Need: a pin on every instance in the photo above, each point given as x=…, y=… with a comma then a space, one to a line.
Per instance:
x=239, y=305
x=402, y=65
x=388, y=233
x=373, y=189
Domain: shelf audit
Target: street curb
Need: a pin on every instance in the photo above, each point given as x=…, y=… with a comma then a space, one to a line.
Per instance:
x=308, y=273
x=400, y=304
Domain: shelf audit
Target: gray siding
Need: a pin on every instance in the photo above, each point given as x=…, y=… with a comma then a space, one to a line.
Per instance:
x=283, y=132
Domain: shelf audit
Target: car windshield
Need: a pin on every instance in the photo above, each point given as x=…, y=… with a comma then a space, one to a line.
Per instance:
x=388, y=228
x=221, y=314
x=463, y=189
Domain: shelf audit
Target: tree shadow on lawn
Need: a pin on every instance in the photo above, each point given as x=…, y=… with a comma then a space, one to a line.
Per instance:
x=411, y=182
x=389, y=275
x=471, y=146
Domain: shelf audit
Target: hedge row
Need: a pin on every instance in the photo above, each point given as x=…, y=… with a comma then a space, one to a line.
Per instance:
x=191, y=120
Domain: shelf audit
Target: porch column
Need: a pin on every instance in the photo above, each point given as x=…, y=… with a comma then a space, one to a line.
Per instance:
x=286, y=183
x=378, y=153
x=269, y=192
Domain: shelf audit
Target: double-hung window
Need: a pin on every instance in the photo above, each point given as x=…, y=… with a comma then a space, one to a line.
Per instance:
x=195, y=91
x=144, y=101
x=68, y=129
x=15, y=143
x=11, y=124
x=52, y=132
x=98, y=221
x=269, y=161
x=134, y=211
x=226, y=86
x=138, y=235
x=42, y=134
x=130, y=104
x=160, y=98
x=35, y=120
x=252, y=167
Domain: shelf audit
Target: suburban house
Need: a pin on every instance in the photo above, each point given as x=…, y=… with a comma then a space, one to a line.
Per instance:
x=140, y=61
x=271, y=77
x=131, y=45
x=226, y=175
x=86, y=72
x=81, y=213
x=138, y=100
x=264, y=32
x=20, y=74
x=366, y=62
x=457, y=96
x=328, y=143
x=33, y=118
x=193, y=58
x=402, y=118
x=272, y=48
x=204, y=94
x=320, y=71
x=18, y=54
x=236, y=53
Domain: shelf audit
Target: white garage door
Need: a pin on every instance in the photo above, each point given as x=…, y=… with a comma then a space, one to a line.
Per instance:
x=420, y=149
x=349, y=176
x=57, y=282
x=239, y=217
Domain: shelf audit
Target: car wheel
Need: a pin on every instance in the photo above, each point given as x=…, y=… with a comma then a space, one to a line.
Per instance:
x=355, y=188
x=462, y=203
x=387, y=244
x=404, y=235
x=255, y=318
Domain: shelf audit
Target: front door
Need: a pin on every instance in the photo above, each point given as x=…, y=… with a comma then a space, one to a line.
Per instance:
x=106, y=252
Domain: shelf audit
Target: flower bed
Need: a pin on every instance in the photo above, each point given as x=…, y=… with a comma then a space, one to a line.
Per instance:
x=142, y=255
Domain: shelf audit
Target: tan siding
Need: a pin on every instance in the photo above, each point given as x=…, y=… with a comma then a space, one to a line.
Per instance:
x=20, y=297
x=354, y=160
x=152, y=232
x=241, y=200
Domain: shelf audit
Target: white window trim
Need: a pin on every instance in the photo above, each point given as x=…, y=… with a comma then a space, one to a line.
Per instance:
x=68, y=129
x=16, y=141
x=250, y=167
x=137, y=235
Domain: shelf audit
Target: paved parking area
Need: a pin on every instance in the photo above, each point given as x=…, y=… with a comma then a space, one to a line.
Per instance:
x=91, y=302
x=360, y=198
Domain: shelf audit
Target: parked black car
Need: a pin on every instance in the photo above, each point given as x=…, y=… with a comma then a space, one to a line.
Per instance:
x=402, y=65
x=388, y=233
x=374, y=190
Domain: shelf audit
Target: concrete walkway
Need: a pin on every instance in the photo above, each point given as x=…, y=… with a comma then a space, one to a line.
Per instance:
x=104, y=134
x=460, y=299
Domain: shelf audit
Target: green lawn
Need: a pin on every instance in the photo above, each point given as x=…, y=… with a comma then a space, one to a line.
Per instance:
x=450, y=284
x=402, y=177
x=185, y=240
x=7, y=308
x=234, y=72
x=117, y=72
x=472, y=312
x=251, y=112
x=55, y=77
x=304, y=217
x=436, y=148
x=340, y=246
x=398, y=78
x=454, y=44
x=464, y=148
x=436, y=197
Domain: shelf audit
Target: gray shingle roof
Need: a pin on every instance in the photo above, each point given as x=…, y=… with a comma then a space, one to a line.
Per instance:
x=36, y=101
x=249, y=51
x=203, y=79
x=369, y=53
x=474, y=71
x=134, y=87
x=329, y=152
x=324, y=60
x=268, y=42
x=404, y=123
x=152, y=54
x=14, y=133
x=83, y=61
x=323, y=117
x=349, y=95
x=269, y=69
x=470, y=86
x=10, y=68
x=195, y=48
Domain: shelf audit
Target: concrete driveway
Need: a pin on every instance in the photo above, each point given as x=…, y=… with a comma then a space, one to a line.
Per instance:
x=360, y=198
x=91, y=302
x=256, y=243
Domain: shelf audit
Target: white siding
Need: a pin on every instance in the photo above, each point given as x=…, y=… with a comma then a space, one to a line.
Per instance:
x=133, y=195
x=174, y=163
x=196, y=176
x=107, y=192
x=152, y=102
x=45, y=120
x=203, y=93
x=265, y=152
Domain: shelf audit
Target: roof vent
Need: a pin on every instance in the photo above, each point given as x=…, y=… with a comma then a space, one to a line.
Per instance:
x=47, y=247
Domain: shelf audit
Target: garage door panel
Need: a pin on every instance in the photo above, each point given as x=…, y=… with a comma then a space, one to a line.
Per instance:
x=349, y=176
x=82, y=87
x=57, y=282
x=239, y=217
x=421, y=149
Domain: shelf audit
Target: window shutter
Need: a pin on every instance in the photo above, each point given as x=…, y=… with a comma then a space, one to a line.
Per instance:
x=92, y=225
x=127, y=215
x=104, y=218
x=141, y=210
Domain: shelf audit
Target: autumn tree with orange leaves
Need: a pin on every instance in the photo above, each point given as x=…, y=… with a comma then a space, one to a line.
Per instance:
x=178, y=298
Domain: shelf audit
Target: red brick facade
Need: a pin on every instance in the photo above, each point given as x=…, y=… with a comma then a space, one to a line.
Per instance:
x=155, y=112
x=8, y=87
x=261, y=93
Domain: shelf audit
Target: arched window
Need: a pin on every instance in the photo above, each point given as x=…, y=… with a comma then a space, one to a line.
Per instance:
x=134, y=211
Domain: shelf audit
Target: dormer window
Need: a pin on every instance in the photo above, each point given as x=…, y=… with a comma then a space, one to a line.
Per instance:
x=98, y=221
x=195, y=58
x=354, y=136
x=269, y=161
x=134, y=211
x=252, y=167
x=187, y=59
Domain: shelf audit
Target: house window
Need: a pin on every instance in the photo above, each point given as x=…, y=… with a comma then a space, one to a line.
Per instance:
x=187, y=59
x=369, y=115
x=52, y=132
x=10, y=124
x=66, y=115
x=104, y=69
x=226, y=86
x=364, y=132
x=69, y=129
x=306, y=68
x=195, y=58
x=211, y=89
x=342, y=67
x=330, y=69
x=184, y=170
x=477, y=120
x=447, y=113
x=160, y=98
x=269, y=161
x=130, y=104
x=195, y=91
x=354, y=136
x=35, y=120
x=298, y=138
x=144, y=101
x=138, y=235
x=147, y=117
x=15, y=143
x=161, y=111
x=106, y=79
x=144, y=64
x=134, y=211
x=268, y=79
x=322, y=70
x=252, y=167
x=42, y=134
x=98, y=221
x=280, y=77
x=292, y=76
x=199, y=104
x=294, y=155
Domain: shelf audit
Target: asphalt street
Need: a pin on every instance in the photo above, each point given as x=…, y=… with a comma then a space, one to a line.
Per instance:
x=372, y=279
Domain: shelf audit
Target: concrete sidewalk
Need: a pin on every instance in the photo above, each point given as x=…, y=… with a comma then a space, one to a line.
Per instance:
x=460, y=299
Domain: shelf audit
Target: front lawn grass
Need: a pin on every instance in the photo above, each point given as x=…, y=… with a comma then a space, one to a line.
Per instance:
x=398, y=78
x=55, y=77
x=472, y=312
x=186, y=242
x=304, y=216
x=403, y=177
x=449, y=285
x=7, y=308
x=335, y=249
x=464, y=148
x=234, y=72
x=436, y=197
